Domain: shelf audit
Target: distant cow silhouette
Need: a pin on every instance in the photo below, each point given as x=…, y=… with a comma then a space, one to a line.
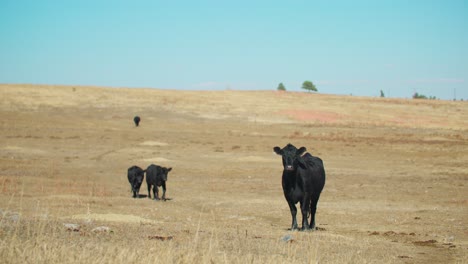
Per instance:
x=135, y=177
x=137, y=120
x=156, y=176
x=303, y=181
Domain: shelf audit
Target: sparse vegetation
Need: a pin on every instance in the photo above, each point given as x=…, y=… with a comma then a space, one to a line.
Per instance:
x=65, y=162
x=49, y=241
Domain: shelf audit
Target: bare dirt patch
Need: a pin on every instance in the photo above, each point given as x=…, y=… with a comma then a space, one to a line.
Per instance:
x=157, y=160
x=313, y=115
x=154, y=143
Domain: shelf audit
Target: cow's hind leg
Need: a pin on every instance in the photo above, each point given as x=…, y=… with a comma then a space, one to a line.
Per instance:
x=149, y=191
x=313, y=209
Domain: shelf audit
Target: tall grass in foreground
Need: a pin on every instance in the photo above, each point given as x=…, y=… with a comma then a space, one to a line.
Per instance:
x=44, y=239
x=48, y=241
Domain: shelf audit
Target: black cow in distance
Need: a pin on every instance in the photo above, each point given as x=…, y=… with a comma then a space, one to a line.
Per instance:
x=303, y=181
x=135, y=177
x=156, y=176
x=136, y=119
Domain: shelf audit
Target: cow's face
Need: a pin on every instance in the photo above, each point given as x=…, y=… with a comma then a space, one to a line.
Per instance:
x=291, y=156
x=138, y=180
x=165, y=171
x=136, y=186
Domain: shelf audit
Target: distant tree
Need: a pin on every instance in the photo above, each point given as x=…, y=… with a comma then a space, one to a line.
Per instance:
x=419, y=96
x=281, y=87
x=422, y=96
x=382, y=93
x=309, y=86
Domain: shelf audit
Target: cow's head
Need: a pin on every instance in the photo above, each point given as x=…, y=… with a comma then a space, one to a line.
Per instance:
x=140, y=174
x=164, y=173
x=291, y=156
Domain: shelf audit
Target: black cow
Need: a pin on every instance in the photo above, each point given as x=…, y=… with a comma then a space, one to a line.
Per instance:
x=135, y=177
x=156, y=176
x=303, y=181
x=136, y=119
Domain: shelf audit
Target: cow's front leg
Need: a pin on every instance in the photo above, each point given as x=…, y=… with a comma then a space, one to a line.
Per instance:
x=156, y=192
x=305, y=209
x=293, y=209
x=134, y=191
x=164, y=191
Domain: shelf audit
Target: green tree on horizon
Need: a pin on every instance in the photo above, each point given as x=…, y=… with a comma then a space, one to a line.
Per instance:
x=309, y=86
x=422, y=96
x=281, y=87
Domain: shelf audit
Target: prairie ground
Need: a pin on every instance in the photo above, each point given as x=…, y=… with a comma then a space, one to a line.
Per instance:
x=396, y=190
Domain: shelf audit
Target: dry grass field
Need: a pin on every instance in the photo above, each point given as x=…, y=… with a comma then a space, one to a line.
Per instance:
x=396, y=190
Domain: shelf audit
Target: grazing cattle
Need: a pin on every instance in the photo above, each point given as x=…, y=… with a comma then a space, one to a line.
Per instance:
x=156, y=176
x=135, y=177
x=303, y=181
x=136, y=119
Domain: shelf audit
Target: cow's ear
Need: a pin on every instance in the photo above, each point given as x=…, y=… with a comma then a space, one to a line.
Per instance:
x=278, y=151
x=301, y=151
x=168, y=170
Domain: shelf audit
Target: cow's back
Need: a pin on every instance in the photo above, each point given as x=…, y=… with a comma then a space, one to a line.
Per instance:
x=131, y=173
x=315, y=172
x=152, y=174
x=135, y=173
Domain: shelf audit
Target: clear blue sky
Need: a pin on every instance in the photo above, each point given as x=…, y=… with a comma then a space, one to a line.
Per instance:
x=345, y=47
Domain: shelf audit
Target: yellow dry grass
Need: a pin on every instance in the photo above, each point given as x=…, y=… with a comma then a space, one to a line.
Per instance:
x=396, y=191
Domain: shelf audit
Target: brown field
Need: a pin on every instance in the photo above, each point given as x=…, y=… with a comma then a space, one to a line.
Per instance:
x=396, y=190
